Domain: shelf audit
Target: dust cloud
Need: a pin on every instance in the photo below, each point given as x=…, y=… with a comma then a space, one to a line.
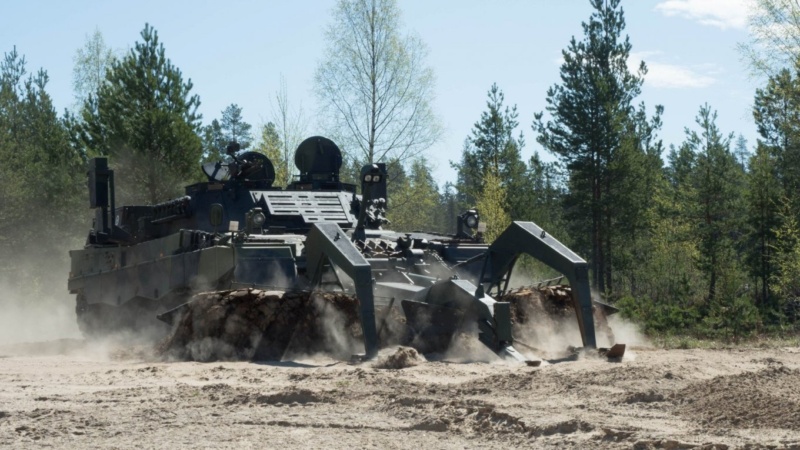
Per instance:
x=338, y=333
x=45, y=312
x=37, y=317
x=548, y=330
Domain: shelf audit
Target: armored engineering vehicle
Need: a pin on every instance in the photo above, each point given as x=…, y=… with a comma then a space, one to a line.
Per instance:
x=237, y=231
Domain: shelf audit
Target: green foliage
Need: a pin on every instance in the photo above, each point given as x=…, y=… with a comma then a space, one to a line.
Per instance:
x=219, y=133
x=415, y=202
x=492, y=146
x=732, y=318
x=603, y=142
x=635, y=174
x=667, y=271
x=42, y=197
x=448, y=210
x=717, y=204
x=145, y=118
x=233, y=126
x=774, y=178
x=656, y=317
x=775, y=113
x=91, y=63
x=492, y=205
x=785, y=281
x=690, y=275
x=270, y=144
x=214, y=142
x=762, y=197
x=374, y=84
x=544, y=186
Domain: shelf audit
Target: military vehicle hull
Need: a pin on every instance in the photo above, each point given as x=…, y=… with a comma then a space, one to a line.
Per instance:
x=237, y=231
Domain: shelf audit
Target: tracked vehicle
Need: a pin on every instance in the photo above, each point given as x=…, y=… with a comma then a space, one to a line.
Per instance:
x=239, y=231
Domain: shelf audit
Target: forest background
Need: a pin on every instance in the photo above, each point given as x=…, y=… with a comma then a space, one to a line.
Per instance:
x=697, y=237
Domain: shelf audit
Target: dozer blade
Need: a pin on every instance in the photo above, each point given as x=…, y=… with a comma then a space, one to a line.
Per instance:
x=615, y=352
x=169, y=317
x=510, y=352
x=440, y=309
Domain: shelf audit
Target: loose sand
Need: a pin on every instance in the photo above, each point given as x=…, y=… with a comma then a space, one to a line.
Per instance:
x=70, y=394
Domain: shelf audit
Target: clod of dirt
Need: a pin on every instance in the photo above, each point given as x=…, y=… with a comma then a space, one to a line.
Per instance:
x=566, y=427
x=671, y=444
x=292, y=396
x=251, y=324
x=645, y=397
x=400, y=359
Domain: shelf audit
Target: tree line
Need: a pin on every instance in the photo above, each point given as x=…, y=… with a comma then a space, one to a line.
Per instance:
x=700, y=236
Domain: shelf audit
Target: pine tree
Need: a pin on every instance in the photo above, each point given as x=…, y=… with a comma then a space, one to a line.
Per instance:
x=546, y=196
x=219, y=133
x=597, y=133
x=492, y=146
x=774, y=174
x=146, y=120
x=214, y=142
x=43, y=193
x=634, y=173
x=718, y=197
x=776, y=109
x=448, y=209
x=417, y=209
x=469, y=181
x=234, y=128
x=763, y=197
x=785, y=280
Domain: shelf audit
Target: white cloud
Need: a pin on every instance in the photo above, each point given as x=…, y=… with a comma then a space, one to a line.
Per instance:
x=722, y=14
x=669, y=76
x=676, y=77
x=672, y=76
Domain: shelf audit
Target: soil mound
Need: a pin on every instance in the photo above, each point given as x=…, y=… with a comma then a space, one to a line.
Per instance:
x=252, y=324
x=531, y=303
x=768, y=398
x=544, y=318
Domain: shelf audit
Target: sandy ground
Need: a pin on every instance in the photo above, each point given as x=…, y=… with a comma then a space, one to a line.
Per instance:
x=70, y=394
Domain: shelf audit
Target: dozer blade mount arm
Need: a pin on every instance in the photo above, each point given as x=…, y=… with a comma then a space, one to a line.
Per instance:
x=528, y=238
x=327, y=242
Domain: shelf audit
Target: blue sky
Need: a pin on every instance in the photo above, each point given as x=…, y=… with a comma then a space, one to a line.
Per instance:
x=236, y=51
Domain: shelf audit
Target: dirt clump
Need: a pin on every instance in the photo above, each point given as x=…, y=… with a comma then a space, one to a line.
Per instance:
x=253, y=324
x=402, y=358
